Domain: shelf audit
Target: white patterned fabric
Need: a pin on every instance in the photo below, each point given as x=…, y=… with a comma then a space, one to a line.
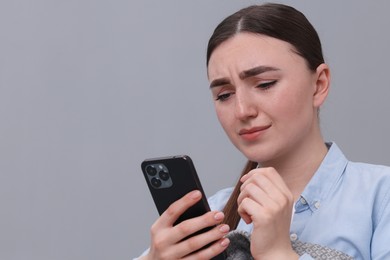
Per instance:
x=239, y=249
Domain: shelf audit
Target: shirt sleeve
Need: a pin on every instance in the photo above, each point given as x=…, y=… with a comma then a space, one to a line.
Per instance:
x=219, y=199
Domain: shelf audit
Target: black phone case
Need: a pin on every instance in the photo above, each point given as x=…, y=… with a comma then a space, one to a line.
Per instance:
x=183, y=179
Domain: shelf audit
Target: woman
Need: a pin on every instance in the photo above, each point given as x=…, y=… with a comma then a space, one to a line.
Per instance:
x=268, y=79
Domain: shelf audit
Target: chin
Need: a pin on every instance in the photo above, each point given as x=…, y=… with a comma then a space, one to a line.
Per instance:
x=256, y=156
x=260, y=154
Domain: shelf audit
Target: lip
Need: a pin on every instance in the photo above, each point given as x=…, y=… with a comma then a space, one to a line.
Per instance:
x=253, y=133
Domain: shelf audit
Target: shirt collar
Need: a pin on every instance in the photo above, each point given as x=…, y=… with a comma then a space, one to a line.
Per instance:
x=324, y=179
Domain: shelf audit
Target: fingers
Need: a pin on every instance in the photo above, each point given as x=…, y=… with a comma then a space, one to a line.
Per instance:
x=266, y=201
x=162, y=232
x=176, y=209
x=252, y=198
x=267, y=178
x=191, y=226
x=248, y=208
x=213, y=250
x=213, y=239
x=182, y=239
x=256, y=188
x=176, y=242
x=268, y=181
x=263, y=190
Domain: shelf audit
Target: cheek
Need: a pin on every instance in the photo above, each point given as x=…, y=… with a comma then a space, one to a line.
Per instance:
x=224, y=118
x=221, y=115
x=288, y=104
x=294, y=106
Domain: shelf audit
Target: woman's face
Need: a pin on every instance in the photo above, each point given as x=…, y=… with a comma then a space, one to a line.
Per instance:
x=263, y=95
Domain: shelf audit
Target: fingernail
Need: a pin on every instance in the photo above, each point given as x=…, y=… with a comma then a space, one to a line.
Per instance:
x=219, y=216
x=224, y=228
x=225, y=242
x=195, y=194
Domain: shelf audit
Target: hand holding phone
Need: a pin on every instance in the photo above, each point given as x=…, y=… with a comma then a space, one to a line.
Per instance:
x=171, y=178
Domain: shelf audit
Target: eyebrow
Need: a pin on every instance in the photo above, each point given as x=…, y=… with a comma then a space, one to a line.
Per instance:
x=256, y=71
x=219, y=82
x=243, y=75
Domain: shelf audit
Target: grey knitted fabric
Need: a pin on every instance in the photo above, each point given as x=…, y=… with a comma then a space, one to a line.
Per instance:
x=239, y=249
x=318, y=251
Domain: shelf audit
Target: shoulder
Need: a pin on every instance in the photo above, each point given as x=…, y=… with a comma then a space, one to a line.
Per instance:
x=219, y=199
x=371, y=182
x=373, y=192
x=368, y=173
x=368, y=178
x=364, y=175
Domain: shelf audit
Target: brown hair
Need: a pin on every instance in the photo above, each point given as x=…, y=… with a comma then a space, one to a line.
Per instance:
x=230, y=210
x=278, y=21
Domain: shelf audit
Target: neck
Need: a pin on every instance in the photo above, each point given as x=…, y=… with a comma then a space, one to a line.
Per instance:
x=299, y=166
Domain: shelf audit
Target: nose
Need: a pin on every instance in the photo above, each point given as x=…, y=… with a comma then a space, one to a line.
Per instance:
x=245, y=106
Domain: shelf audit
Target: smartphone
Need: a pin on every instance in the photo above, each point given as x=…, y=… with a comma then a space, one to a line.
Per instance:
x=169, y=179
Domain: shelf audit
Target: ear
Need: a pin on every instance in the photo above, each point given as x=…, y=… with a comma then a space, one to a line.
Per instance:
x=322, y=84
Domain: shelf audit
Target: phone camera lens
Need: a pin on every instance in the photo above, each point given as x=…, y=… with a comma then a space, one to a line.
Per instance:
x=163, y=175
x=151, y=170
x=155, y=182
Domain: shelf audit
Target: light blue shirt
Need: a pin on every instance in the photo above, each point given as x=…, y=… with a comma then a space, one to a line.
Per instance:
x=345, y=206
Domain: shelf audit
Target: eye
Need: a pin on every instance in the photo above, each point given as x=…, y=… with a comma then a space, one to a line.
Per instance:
x=266, y=85
x=223, y=96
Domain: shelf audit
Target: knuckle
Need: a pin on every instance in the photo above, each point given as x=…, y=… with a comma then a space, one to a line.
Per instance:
x=154, y=229
x=206, y=220
x=257, y=173
x=244, y=203
x=171, y=210
x=269, y=171
x=251, y=187
x=158, y=244
x=287, y=200
x=184, y=228
x=158, y=239
x=246, y=187
x=239, y=208
x=210, y=218
x=290, y=198
x=212, y=250
x=192, y=244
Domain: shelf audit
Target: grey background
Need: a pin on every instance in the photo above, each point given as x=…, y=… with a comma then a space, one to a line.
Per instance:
x=88, y=89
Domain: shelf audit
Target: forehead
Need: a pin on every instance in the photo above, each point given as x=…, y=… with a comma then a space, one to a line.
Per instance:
x=248, y=50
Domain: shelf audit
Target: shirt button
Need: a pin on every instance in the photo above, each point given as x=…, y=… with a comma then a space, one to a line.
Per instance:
x=293, y=237
x=303, y=201
x=317, y=204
